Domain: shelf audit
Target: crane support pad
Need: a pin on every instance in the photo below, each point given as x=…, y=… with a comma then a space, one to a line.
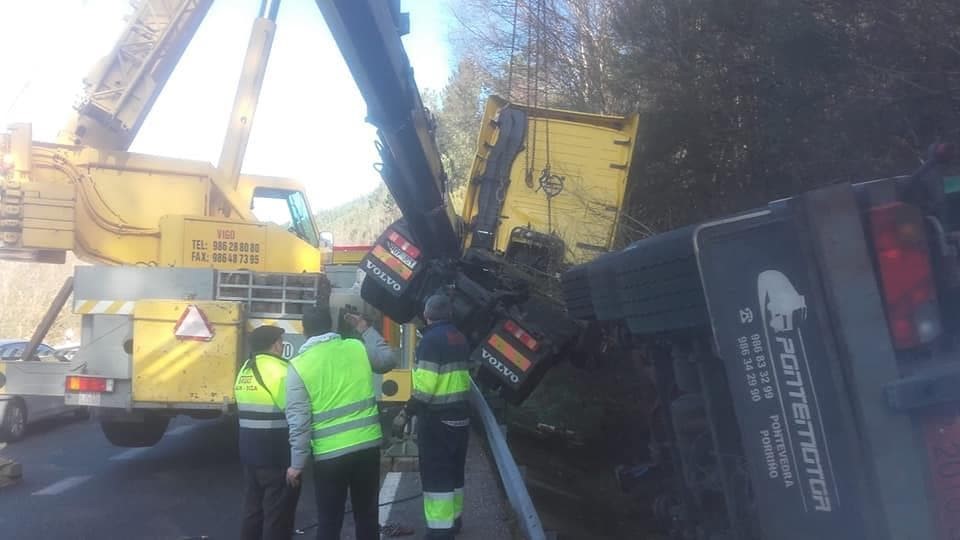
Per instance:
x=771, y=325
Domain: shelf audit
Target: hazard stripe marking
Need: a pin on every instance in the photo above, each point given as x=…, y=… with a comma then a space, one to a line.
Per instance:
x=104, y=307
x=507, y=350
x=394, y=263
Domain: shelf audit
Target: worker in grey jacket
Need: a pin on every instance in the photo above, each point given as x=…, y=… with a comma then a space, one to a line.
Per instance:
x=357, y=467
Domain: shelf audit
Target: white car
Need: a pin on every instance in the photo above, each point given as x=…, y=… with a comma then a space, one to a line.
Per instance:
x=17, y=412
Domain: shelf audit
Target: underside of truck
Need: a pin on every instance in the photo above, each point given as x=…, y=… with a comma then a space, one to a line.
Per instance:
x=805, y=362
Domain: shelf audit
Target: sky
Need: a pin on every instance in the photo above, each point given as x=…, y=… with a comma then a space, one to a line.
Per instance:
x=309, y=123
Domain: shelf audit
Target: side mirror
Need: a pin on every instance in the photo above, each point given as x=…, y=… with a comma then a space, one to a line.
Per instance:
x=326, y=239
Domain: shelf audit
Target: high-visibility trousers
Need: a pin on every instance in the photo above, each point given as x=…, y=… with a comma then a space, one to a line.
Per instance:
x=442, y=443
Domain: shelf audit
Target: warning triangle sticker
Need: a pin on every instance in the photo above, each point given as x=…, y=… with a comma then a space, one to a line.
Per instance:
x=193, y=325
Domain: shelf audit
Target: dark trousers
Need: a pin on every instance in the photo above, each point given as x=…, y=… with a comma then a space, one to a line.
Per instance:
x=269, y=504
x=442, y=442
x=360, y=473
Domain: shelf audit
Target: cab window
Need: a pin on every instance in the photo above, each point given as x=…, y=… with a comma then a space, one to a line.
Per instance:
x=287, y=209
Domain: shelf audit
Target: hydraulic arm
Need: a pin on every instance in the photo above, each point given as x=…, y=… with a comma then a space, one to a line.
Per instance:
x=368, y=34
x=523, y=220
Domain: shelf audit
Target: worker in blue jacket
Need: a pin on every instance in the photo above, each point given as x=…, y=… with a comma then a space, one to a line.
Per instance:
x=441, y=388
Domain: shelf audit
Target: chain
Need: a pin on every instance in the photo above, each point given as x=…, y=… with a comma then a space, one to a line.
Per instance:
x=513, y=47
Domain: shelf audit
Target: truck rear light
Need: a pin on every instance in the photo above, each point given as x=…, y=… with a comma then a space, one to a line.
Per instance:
x=906, y=276
x=404, y=244
x=76, y=383
x=522, y=336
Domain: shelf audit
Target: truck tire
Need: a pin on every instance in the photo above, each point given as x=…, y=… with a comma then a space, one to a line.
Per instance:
x=14, y=423
x=653, y=285
x=146, y=432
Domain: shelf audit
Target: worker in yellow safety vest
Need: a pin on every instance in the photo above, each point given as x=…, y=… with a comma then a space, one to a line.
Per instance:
x=270, y=502
x=441, y=388
x=333, y=414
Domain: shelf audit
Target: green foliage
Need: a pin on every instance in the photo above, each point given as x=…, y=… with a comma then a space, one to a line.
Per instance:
x=458, y=120
x=360, y=222
x=26, y=290
x=741, y=101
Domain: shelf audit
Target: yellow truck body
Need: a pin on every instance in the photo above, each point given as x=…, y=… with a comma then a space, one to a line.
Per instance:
x=588, y=157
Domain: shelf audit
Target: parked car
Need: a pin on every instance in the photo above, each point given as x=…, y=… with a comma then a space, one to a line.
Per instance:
x=17, y=412
x=67, y=352
x=12, y=349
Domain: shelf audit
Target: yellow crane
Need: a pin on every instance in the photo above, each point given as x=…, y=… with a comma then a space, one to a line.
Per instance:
x=90, y=196
x=182, y=268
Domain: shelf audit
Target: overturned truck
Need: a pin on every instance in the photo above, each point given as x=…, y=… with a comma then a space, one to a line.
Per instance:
x=805, y=357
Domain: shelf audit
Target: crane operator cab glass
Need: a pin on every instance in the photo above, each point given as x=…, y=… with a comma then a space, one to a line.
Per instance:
x=287, y=208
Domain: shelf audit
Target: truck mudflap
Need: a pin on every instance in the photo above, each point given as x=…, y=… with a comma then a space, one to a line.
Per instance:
x=768, y=314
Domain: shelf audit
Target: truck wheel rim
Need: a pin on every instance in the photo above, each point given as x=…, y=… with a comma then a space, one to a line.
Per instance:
x=16, y=422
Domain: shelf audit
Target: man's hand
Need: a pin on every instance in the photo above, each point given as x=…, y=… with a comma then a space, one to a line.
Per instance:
x=359, y=323
x=293, y=476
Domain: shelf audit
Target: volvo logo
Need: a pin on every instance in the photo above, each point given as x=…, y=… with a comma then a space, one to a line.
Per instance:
x=377, y=271
x=499, y=366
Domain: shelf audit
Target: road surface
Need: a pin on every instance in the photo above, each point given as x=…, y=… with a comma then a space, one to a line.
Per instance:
x=76, y=485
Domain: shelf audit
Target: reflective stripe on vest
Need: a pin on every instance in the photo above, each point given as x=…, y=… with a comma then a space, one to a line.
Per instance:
x=339, y=381
x=441, y=384
x=255, y=416
x=256, y=407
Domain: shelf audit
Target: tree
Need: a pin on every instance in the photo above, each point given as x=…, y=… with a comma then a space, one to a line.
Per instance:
x=458, y=120
x=26, y=290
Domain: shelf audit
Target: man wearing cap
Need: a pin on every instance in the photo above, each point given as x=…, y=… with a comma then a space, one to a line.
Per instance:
x=270, y=503
x=441, y=387
x=333, y=414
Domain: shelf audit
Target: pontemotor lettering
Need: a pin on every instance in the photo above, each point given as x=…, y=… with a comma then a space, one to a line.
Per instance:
x=799, y=406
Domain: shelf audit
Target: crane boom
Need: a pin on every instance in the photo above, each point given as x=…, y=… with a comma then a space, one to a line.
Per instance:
x=498, y=260
x=368, y=34
x=114, y=207
x=121, y=89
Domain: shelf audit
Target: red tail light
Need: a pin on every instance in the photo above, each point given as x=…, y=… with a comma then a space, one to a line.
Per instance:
x=404, y=244
x=522, y=336
x=77, y=383
x=906, y=276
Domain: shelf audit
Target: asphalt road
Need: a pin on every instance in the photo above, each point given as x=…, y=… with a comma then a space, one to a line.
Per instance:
x=78, y=486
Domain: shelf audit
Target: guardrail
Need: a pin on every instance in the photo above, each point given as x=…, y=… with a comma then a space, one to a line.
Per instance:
x=516, y=489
